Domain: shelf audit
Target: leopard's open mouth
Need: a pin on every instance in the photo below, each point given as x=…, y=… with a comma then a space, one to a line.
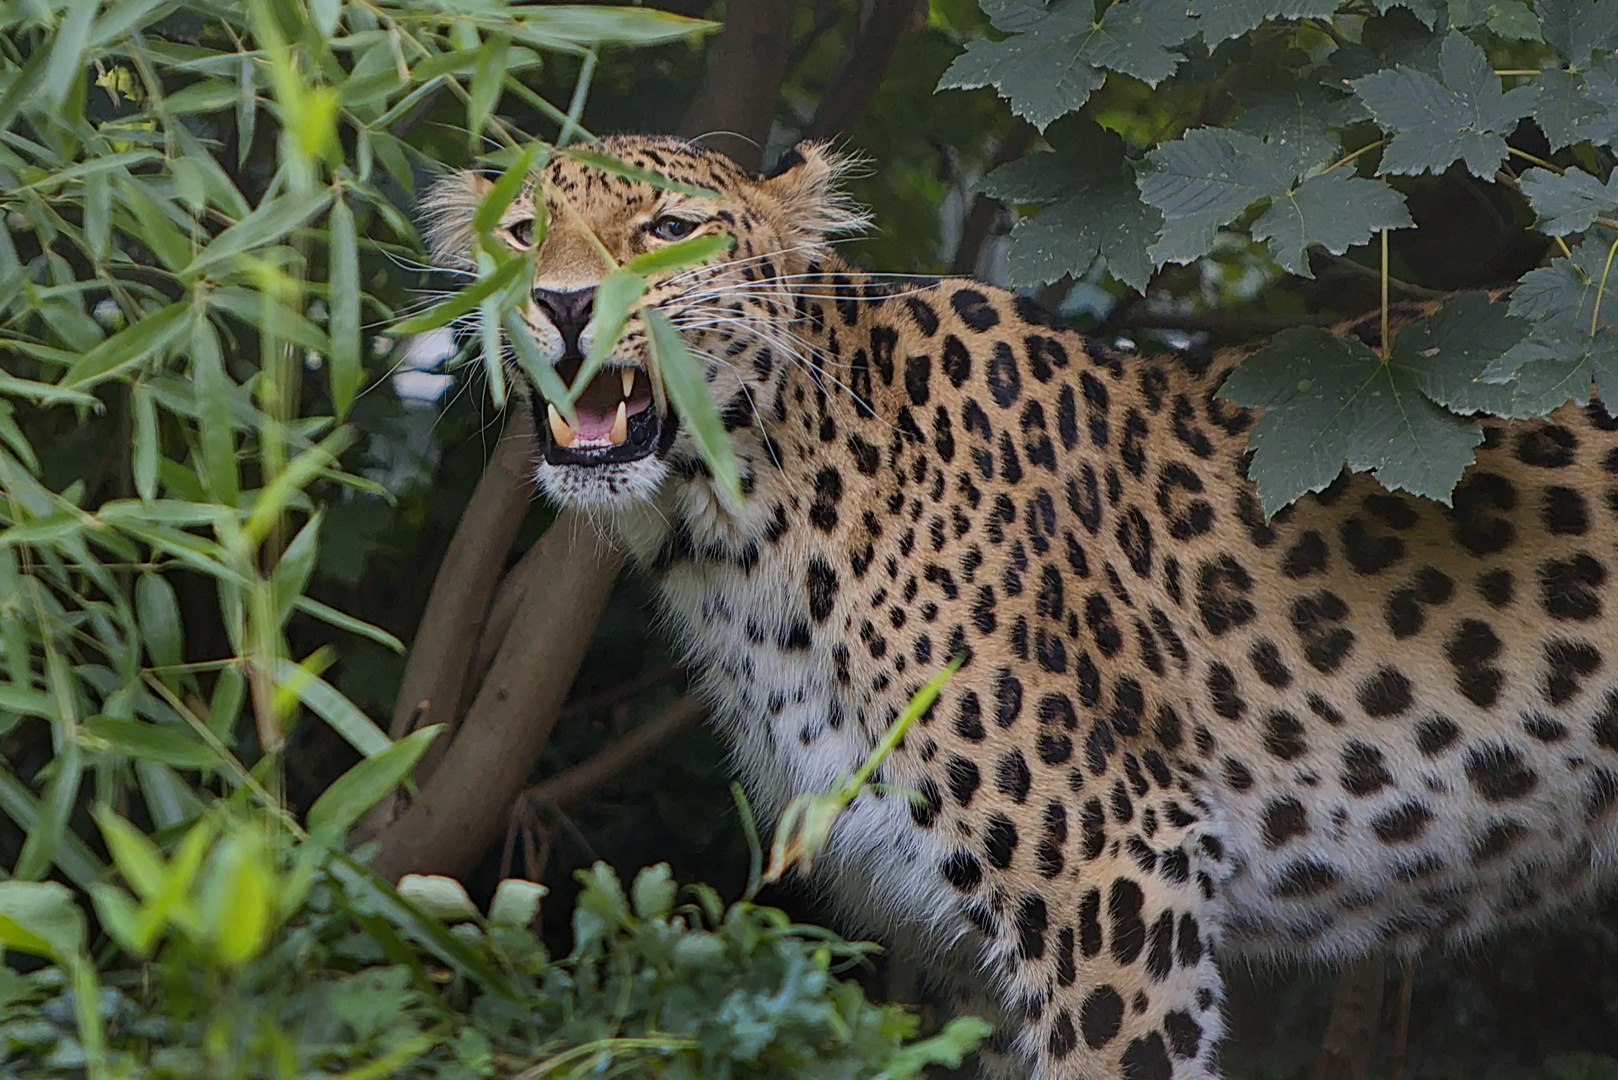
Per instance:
x=615, y=419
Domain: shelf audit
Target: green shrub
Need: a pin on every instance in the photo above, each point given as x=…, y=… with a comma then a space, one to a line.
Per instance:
x=239, y=956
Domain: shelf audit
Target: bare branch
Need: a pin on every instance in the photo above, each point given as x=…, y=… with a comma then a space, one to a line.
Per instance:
x=864, y=65
x=463, y=807
x=572, y=785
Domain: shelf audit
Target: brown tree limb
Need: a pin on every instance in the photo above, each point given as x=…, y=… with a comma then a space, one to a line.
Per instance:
x=748, y=63
x=463, y=806
x=864, y=65
x=534, y=636
x=435, y=673
x=572, y=785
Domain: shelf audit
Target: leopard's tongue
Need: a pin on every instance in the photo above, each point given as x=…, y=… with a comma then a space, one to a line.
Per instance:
x=596, y=413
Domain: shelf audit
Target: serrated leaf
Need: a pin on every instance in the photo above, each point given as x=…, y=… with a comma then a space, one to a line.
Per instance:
x=1511, y=19
x=1336, y=210
x=1576, y=28
x=1220, y=20
x=1465, y=116
x=1563, y=294
x=1205, y=180
x=1568, y=203
x=1570, y=107
x=1294, y=114
x=1060, y=55
x=1093, y=207
x=1559, y=363
x=1331, y=402
x=1428, y=11
x=1451, y=349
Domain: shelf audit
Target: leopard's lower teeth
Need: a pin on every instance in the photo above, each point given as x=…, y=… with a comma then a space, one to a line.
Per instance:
x=561, y=430
x=620, y=425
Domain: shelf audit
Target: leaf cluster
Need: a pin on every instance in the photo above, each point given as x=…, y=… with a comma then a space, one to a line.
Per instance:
x=1305, y=122
x=264, y=958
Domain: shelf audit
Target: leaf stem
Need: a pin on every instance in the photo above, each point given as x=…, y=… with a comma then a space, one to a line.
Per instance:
x=1541, y=162
x=1367, y=148
x=1516, y=72
x=1595, y=313
x=1384, y=311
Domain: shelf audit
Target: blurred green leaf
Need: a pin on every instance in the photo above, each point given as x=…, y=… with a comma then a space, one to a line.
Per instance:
x=348, y=797
x=690, y=399
x=344, y=330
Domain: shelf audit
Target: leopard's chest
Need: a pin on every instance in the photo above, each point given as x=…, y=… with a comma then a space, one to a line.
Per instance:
x=793, y=725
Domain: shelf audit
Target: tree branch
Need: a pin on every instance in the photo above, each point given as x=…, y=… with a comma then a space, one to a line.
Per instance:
x=462, y=808
x=572, y=785
x=435, y=673
x=864, y=65
x=736, y=103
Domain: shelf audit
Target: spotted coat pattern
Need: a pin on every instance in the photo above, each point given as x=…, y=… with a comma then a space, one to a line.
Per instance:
x=1179, y=730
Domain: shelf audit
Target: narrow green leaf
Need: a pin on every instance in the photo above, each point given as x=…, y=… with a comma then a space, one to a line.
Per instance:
x=73, y=856
x=614, y=297
x=132, y=345
x=144, y=449
x=332, y=706
x=467, y=300
x=72, y=38
x=589, y=24
x=142, y=741
x=342, y=621
x=97, y=214
x=494, y=363
x=217, y=431
x=691, y=400
x=297, y=562
x=363, y=786
x=133, y=853
x=156, y=230
x=504, y=190
x=488, y=78
x=679, y=255
x=272, y=222
x=539, y=371
x=158, y=612
x=344, y=329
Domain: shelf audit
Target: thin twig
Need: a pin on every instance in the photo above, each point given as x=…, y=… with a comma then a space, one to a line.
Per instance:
x=572, y=785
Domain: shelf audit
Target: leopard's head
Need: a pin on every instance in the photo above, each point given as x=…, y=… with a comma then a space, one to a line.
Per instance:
x=739, y=303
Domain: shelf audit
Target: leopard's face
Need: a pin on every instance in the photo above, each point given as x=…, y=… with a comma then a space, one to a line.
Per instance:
x=585, y=221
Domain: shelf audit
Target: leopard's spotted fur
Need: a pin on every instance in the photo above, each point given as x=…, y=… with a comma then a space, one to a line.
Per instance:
x=1180, y=730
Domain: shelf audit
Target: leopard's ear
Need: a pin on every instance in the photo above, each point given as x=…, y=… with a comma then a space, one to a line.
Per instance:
x=446, y=211
x=807, y=185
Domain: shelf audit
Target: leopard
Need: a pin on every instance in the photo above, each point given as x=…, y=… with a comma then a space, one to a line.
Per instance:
x=1182, y=732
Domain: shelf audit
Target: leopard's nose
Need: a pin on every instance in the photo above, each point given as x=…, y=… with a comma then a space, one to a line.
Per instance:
x=569, y=312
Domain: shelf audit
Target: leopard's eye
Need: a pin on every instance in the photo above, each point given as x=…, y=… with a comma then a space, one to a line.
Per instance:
x=522, y=232
x=668, y=227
